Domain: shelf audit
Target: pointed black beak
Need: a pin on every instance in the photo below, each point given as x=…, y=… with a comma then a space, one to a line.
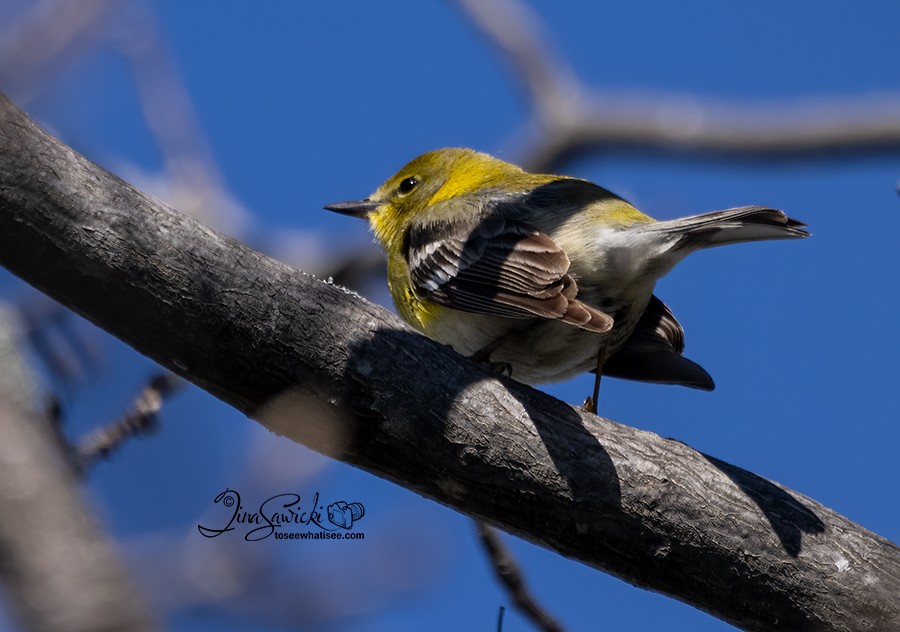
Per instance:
x=359, y=208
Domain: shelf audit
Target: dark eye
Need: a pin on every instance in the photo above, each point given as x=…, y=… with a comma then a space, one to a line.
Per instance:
x=407, y=185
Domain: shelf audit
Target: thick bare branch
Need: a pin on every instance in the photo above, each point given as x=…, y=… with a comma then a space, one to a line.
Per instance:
x=345, y=377
x=571, y=118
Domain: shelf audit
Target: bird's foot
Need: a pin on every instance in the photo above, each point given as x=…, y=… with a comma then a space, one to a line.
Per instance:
x=589, y=405
x=483, y=357
x=501, y=368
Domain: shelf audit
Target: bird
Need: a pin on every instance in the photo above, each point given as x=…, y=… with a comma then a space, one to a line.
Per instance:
x=543, y=276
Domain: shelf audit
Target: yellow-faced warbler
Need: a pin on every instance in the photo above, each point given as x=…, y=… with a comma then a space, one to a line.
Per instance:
x=548, y=276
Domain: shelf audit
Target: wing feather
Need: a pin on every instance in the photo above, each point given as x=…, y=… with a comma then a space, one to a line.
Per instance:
x=502, y=267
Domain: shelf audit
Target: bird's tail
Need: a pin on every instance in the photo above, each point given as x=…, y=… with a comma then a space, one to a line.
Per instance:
x=736, y=225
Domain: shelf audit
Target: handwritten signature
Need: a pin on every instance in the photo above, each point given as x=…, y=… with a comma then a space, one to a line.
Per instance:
x=279, y=511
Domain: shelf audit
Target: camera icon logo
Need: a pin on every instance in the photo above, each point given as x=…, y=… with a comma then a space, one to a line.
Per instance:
x=343, y=514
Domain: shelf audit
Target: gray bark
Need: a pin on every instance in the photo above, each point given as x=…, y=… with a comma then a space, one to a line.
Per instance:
x=333, y=372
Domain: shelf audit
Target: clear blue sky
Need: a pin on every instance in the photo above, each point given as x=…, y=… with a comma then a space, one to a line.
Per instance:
x=309, y=103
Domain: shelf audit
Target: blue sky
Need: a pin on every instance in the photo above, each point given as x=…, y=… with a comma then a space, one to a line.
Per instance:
x=304, y=104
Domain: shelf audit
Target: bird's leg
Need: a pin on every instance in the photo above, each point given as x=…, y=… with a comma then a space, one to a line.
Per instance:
x=590, y=404
x=483, y=355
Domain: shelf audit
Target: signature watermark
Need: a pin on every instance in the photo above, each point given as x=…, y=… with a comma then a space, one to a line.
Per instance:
x=281, y=515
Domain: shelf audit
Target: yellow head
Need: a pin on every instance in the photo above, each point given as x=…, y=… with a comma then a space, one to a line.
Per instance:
x=435, y=177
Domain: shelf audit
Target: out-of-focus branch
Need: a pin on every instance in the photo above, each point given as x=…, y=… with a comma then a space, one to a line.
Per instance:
x=550, y=84
x=140, y=419
x=510, y=575
x=571, y=118
x=328, y=370
x=46, y=39
x=55, y=561
x=192, y=179
x=53, y=35
x=68, y=352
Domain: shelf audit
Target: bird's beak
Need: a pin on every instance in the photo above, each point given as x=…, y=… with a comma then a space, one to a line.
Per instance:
x=359, y=208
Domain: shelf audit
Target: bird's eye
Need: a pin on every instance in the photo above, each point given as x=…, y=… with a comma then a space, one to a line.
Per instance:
x=407, y=185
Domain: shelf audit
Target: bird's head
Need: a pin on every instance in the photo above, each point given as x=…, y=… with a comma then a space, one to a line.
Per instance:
x=415, y=192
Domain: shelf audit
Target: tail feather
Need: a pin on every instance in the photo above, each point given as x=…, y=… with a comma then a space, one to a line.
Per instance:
x=736, y=225
x=654, y=352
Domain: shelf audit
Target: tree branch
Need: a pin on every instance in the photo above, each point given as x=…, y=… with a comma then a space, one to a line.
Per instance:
x=331, y=371
x=510, y=576
x=141, y=419
x=571, y=118
x=61, y=570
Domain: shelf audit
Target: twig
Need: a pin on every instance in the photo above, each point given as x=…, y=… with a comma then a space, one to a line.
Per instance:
x=140, y=419
x=510, y=575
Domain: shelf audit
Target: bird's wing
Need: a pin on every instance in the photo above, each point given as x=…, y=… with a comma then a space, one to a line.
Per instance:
x=653, y=352
x=502, y=267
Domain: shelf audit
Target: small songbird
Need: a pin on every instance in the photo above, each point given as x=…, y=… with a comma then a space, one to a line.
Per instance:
x=548, y=276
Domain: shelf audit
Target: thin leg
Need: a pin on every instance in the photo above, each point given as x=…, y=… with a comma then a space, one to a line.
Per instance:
x=591, y=403
x=483, y=355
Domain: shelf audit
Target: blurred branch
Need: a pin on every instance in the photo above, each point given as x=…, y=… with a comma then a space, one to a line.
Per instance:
x=68, y=353
x=47, y=39
x=57, y=564
x=510, y=575
x=53, y=35
x=571, y=118
x=193, y=180
x=139, y=420
x=348, y=379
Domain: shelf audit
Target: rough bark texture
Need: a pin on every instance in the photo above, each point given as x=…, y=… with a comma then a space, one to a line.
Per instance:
x=325, y=368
